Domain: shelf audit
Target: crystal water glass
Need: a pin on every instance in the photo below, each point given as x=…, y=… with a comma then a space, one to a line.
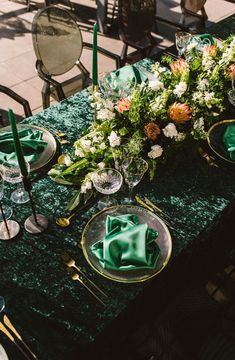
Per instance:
x=133, y=170
x=7, y=210
x=12, y=175
x=231, y=93
x=107, y=181
x=182, y=39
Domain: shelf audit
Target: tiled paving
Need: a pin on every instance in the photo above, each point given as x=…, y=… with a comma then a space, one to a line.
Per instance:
x=17, y=58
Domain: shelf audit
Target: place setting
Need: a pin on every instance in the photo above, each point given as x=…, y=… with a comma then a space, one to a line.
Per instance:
x=22, y=153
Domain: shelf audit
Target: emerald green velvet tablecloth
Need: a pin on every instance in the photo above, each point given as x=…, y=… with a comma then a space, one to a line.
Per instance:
x=56, y=316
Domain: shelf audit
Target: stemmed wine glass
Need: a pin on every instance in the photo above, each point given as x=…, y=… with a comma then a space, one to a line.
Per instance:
x=133, y=170
x=182, y=39
x=107, y=181
x=231, y=93
x=6, y=211
x=12, y=174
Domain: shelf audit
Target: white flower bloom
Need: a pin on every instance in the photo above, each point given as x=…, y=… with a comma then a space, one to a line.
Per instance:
x=102, y=146
x=101, y=165
x=208, y=63
x=114, y=139
x=79, y=152
x=156, y=85
x=87, y=185
x=209, y=96
x=105, y=114
x=199, y=124
x=156, y=151
x=180, y=137
x=86, y=144
x=170, y=130
x=92, y=149
x=203, y=84
x=180, y=89
x=156, y=105
x=67, y=160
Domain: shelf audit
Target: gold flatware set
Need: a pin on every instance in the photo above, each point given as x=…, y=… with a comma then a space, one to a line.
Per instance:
x=153, y=208
x=78, y=275
x=10, y=331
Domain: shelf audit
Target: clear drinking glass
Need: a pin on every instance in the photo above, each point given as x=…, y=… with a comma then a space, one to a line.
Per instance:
x=12, y=174
x=231, y=93
x=107, y=181
x=7, y=210
x=182, y=39
x=133, y=170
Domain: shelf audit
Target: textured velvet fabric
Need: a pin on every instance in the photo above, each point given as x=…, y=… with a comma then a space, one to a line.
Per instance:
x=127, y=244
x=57, y=316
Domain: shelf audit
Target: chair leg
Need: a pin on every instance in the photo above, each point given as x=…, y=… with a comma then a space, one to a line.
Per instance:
x=45, y=95
x=123, y=55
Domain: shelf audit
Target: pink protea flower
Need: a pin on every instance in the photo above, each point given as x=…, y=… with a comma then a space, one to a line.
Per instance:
x=210, y=50
x=179, y=66
x=231, y=71
x=179, y=113
x=123, y=105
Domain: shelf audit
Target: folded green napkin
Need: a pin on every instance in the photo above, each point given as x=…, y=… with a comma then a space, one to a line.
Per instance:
x=125, y=77
x=31, y=141
x=229, y=140
x=127, y=245
x=205, y=39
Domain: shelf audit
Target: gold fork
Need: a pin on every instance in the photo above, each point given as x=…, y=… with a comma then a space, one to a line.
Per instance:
x=72, y=264
x=76, y=277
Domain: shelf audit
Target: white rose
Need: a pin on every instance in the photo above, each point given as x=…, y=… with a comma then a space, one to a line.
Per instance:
x=156, y=151
x=79, y=152
x=114, y=139
x=180, y=89
x=156, y=85
x=170, y=130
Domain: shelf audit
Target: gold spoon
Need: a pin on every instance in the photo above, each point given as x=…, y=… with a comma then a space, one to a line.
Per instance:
x=65, y=222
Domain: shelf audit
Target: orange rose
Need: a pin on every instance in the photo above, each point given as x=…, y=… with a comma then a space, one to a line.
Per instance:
x=123, y=105
x=179, y=113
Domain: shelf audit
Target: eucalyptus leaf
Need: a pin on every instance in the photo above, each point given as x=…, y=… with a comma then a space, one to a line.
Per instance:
x=73, y=203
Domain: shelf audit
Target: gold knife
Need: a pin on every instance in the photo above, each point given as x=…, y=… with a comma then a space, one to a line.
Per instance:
x=156, y=207
x=141, y=202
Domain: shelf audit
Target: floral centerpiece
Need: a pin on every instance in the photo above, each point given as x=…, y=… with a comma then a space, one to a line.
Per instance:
x=185, y=98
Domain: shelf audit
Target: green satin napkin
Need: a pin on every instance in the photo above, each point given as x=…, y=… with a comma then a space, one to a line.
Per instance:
x=125, y=77
x=229, y=140
x=31, y=141
x=127, y=245
x=205, y=39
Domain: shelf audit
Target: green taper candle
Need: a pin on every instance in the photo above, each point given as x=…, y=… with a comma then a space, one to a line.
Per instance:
x=94, y=57
x=18, y=148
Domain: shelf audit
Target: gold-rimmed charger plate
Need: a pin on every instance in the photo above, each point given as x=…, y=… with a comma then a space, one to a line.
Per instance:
x=47, y=154
x=95, y=230
x=3, y=354
x=215, y=139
